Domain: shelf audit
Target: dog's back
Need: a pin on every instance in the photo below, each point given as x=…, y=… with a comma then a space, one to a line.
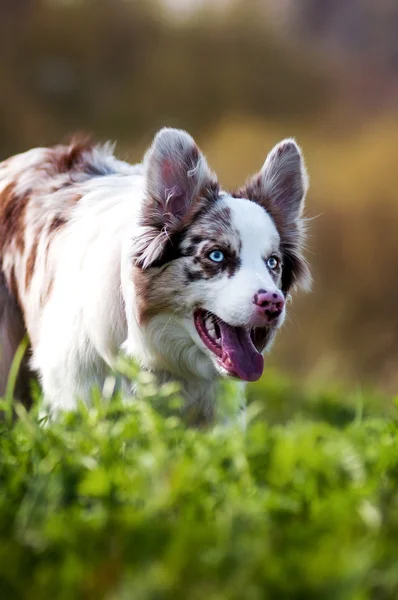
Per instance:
x=40, y=196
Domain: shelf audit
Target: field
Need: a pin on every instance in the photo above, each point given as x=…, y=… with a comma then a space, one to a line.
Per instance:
x=125, y=503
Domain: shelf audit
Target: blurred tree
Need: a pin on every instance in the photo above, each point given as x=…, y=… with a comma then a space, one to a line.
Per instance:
x=122, y=68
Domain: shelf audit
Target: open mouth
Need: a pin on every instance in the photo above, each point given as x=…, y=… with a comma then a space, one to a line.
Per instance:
x=237, y=349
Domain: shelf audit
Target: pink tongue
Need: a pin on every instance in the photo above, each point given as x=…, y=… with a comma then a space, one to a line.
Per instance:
x=237, y=345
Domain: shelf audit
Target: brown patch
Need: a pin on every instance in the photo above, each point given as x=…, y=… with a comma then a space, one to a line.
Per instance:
x=71, y=157
x=12, y=282
x=30, y=263
x=76, y=198
x=71, y=160
x=154, y=296
x=12, y=212
x=56, y=224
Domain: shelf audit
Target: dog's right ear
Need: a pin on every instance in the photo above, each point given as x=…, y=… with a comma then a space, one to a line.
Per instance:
x=176, y=173
x=176, y=176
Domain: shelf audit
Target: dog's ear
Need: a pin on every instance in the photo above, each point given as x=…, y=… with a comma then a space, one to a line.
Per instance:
x=280, y=187
x=176, y=173
x=283, y=180
x=177, y=177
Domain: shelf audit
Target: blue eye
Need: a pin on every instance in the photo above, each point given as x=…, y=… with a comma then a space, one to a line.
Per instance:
x=273, y=263
x=216, y=256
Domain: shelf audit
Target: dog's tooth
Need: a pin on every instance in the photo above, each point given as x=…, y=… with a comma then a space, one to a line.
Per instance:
x=212, y=332
x=209, y=323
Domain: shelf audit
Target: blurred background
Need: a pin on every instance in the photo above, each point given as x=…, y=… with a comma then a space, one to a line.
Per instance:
x=240, y=75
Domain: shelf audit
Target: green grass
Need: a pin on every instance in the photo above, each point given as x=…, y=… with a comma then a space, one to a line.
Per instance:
x=125, y=503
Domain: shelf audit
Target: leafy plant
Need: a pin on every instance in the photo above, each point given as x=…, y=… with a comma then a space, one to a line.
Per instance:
x=123, y=501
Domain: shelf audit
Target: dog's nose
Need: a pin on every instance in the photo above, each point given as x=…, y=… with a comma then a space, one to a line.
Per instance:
x=269, y=304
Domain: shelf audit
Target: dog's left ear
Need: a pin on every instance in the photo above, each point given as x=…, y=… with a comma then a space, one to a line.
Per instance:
x=280, y=188
x=283, y=180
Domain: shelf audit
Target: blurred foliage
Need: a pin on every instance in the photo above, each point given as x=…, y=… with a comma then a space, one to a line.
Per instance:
x=118, y=502
x=239, y=82
x=120, y=68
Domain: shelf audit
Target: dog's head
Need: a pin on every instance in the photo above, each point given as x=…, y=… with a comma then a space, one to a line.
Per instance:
x=220, y=265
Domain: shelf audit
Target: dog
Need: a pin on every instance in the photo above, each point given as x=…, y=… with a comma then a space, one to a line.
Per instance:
x=153, y=260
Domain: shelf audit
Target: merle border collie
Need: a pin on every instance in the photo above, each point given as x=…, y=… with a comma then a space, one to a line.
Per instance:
x=153, y=260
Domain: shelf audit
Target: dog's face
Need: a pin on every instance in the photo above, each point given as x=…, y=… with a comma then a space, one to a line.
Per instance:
x=218, y=266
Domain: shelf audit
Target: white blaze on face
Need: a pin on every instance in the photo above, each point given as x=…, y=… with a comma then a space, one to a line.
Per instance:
x=231, y=298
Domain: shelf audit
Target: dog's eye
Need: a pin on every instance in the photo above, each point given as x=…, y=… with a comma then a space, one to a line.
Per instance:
x=216, y=256
x=273, y=263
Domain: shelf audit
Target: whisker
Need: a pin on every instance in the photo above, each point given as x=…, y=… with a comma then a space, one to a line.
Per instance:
x=168, y=321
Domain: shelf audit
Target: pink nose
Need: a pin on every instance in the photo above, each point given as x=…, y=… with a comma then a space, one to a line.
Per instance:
x=269, y=304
